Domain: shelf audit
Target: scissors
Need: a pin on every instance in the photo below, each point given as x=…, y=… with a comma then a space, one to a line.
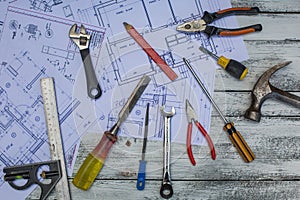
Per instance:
x=191, y=116
x=202, y=25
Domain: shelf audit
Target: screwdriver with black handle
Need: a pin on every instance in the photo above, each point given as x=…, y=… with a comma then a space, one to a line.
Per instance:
x=93, y=164
x=234, y=135
x=233, y=67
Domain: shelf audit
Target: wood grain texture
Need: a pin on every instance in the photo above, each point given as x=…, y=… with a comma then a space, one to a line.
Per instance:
x=274, y=174
x=190, y=190
x=269, y=6
x=187, y=190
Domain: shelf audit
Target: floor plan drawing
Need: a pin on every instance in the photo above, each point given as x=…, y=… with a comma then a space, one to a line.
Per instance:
x=36, y=52
x=120, y=52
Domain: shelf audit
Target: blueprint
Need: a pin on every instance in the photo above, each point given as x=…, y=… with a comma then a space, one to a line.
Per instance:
x=31, y=54
x=35, y=36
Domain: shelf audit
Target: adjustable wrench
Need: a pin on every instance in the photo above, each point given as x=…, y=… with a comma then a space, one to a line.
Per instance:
x=82, y=40
x=166, y=190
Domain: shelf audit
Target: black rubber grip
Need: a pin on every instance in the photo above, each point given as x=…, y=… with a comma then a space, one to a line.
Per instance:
x=212, y=30
x=236, y=69
x=210, y=17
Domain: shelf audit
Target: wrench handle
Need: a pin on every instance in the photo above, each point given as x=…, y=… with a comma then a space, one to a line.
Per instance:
x=93, y=87
x=166, y=190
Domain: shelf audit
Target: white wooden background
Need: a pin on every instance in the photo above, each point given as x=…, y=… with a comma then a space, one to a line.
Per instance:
x=274, y=174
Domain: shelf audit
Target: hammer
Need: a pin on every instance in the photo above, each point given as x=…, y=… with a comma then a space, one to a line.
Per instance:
x=263, y=90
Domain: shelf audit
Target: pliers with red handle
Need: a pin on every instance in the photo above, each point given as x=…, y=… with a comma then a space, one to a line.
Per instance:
x=202, y=24
x=191, y=116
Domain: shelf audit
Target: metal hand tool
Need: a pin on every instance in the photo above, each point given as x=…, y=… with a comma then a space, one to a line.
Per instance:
x=166, y=190
x=54, y=134
x=29, y=172
x=140, y=184
x=57, y=168
x=191, y=116
x=234, y=135
x=202, y=24
x=93, y=164
x=82, y=40
x=233, y=67
x=263, y=90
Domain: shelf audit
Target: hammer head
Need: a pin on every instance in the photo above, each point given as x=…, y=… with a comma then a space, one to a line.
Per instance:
x=262, y=90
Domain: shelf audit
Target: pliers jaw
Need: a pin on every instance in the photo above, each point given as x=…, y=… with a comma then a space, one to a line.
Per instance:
x=191, y=116
x=81, y=39
x=190, y=112
x=192, y=26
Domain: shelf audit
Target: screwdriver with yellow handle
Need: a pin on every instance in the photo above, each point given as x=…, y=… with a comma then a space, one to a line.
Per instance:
x=233, y=67
x=234, y=135
x=93, y=164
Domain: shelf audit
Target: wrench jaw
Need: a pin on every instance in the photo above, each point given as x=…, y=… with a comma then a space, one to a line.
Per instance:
x=81, y=39
x=167, y=114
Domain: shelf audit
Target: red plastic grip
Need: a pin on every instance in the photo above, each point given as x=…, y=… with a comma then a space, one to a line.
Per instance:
x=189, y=144
x=208, y=139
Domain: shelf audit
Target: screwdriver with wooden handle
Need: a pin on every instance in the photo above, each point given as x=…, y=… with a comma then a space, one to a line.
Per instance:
x=93, y=164
x=233, y=67
x=234, y=135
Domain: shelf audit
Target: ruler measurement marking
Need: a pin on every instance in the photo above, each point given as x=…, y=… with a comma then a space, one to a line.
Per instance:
x=54, y=135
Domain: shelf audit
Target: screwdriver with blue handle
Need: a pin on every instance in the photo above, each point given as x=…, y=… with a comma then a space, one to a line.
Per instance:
x=233, y=67
x=140, y=184
x=93, y=164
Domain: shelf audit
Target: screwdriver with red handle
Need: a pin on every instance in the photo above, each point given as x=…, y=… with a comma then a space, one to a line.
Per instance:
x=93, y=164
x=234, y=135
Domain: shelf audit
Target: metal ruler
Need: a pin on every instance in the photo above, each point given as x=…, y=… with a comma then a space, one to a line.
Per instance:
x=54, y=135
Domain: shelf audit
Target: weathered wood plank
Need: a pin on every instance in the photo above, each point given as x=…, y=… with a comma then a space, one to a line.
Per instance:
x=277, y=152
x=275, y=26
x=264, y=55
x=236, y=103
x=270, y=5
x=125, y=189
x=120, y=189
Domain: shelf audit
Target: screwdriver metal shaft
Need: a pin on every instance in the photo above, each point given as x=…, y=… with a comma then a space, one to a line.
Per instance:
x=204, y=89
x=234, y=135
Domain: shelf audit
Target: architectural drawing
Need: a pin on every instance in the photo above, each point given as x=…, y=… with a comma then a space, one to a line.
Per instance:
x=31, y=55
